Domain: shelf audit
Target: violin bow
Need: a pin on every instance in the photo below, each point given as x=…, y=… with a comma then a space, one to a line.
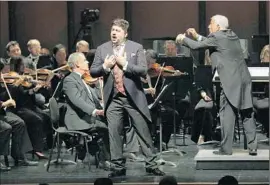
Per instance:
x=59, y=68
x=9, y=95
x=159, y=75
x=101, y=90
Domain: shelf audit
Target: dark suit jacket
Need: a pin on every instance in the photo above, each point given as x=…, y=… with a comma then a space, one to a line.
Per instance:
x=227, y=57
x=80, y=105
x=135, y=69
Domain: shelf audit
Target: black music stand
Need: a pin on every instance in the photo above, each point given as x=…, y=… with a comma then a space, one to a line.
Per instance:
x=158, y=103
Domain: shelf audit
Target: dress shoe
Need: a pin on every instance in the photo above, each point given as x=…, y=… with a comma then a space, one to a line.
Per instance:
x=155, y=171
x=106, y=165
x=25, y=163
x=117, y=173
x=4, y=168
x=253, y=152
x=220, y=153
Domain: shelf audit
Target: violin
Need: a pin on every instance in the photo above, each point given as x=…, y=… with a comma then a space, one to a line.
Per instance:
x=13, y=78
x=89, y=79
x=157, y=69
x=16, y=79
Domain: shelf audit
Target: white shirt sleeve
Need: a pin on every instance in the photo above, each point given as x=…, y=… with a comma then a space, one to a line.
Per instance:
x=199, y=38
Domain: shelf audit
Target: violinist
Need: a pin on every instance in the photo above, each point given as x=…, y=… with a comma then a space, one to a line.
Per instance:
x=10, y=123
x=45, y=52
x=14, y=64
x=159, y=73
x=261, y=101
x=84, y=112
x=170, y=48
x=37, y=122
x=59, y=59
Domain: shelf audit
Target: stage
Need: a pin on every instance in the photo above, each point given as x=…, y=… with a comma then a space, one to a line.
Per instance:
x=185, y=171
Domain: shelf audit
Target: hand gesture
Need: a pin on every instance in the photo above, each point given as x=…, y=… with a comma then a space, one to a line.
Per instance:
x=121, y=60
x=207, y=98
x=192, y=32
x=38, y=86
x=151, y=91
x=9, y=103
x=180, y=38
x=100, y=112
x=109, y=61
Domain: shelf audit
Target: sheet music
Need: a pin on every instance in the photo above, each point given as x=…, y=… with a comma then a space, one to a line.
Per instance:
x=258, y=74
x=159, y=96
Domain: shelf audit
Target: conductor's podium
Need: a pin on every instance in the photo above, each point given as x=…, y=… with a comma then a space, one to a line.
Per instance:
x=239, y=160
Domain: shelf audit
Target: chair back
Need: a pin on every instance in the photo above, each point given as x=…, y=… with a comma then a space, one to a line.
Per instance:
x=54, y=112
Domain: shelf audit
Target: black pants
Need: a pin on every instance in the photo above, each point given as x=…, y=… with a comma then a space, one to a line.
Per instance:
x=202, y=125
x=38, y=126
x=12, y=124
x=99, y=143
x=115, y=118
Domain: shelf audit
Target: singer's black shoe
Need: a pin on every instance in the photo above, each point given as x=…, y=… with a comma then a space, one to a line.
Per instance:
x=117, y=173
x=155, y=171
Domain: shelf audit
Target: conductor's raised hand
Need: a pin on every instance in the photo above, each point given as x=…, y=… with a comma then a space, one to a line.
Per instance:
x=192, y=32
x=180, y=38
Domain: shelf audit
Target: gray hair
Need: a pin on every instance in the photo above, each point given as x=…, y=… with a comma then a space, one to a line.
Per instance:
x=33, y=42
x=73, y=59
x=222, y=21
x=81, y=43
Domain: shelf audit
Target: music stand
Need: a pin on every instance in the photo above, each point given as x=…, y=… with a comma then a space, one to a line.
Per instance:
x=158, y=103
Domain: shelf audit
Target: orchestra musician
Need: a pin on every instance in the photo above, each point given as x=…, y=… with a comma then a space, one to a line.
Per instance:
x=201, y=130
x=170, y=48
x=34, y=49
x=227, y=57
x=261, y=101
x=45, y=52
x=59, y=59
x=82, y=46
x=122, y=62
x=37, y=121
x=13, y=125
x=14, y=52
x=84, y=112
x=182, y=105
